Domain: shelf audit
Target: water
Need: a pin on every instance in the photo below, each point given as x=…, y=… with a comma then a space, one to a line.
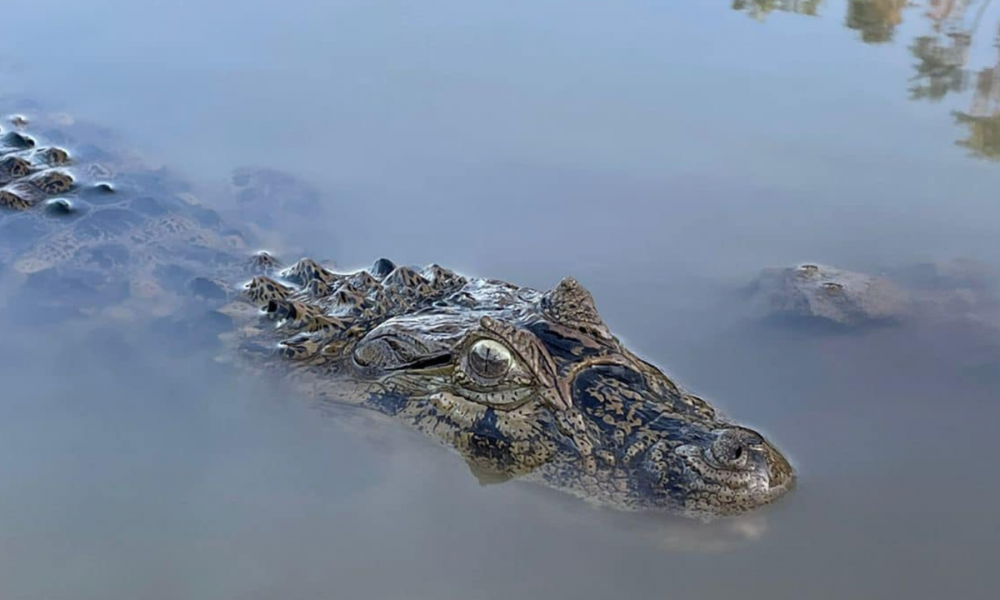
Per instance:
x=662, y=152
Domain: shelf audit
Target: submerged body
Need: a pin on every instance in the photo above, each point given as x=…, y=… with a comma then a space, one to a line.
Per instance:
x=824, y=293
x=956, y=289
x=523, y=384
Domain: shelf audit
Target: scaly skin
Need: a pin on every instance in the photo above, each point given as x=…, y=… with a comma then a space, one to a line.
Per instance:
x=521, y=383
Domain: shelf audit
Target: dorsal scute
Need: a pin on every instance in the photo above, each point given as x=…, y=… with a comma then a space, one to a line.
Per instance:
x=53, y=156
x=317, y=289
x=295, y=314
x=363, y=281
x=33, y=189
x=13, y=141
x=347, y=297
x=441, y=278
x=571, y=305
x=381, y=268
x=306, y=270
x=25, y=174
x=263, y=263
x=261, y=290
x=13, y=167
x=407, y=281
x=52, y=182
x=315, y=308
x=13, y=200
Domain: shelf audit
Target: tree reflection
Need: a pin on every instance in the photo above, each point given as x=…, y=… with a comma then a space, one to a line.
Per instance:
x=983, y=118
x=940, y=66
x=760, y=9
x=941, y=53
x=875, y=20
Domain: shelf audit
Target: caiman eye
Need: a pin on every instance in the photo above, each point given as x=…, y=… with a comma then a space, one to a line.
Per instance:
x=489, y=360
x=490, y=373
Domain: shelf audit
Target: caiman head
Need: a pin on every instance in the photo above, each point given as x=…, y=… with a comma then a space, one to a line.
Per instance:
x=523, y=384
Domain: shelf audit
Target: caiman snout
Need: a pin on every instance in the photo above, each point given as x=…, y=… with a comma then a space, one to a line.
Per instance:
x=740, y=449
x=734, y=465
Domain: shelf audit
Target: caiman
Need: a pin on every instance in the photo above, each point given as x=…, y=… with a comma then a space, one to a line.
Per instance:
x=852, y=300
x=524, y=384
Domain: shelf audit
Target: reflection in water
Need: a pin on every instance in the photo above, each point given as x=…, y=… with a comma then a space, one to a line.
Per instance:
x=941, y=69
x=942, y=56
x=875, y=20
x=760, y=9
x=939, y=66
x=983, y=118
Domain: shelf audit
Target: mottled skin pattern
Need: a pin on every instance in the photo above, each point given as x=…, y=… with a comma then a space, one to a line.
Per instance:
x=521, y=383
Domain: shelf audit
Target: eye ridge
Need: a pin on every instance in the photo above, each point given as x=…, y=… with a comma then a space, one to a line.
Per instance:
x=391, y=351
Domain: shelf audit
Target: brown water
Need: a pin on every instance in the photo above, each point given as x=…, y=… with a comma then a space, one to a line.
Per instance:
x=662, y=152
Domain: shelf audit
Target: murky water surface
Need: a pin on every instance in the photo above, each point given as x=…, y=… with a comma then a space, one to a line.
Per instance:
x=661, y=152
